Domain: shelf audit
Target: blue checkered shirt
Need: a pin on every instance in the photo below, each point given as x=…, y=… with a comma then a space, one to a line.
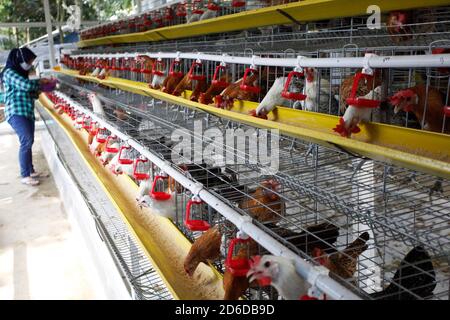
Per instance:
x=20, y=94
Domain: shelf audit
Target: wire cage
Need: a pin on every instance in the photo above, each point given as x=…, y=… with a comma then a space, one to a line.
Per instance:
x=321, y=200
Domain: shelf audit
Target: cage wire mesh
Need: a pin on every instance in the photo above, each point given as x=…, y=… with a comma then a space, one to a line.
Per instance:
x=402, y=211
x=141, y=276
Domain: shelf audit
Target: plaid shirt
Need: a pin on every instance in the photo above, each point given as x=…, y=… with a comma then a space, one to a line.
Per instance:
x=20, y=94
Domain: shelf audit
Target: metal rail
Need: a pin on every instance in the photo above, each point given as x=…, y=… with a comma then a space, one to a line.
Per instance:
x=369, y=61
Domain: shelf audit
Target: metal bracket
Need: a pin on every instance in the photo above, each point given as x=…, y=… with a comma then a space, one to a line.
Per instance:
x=366, y=67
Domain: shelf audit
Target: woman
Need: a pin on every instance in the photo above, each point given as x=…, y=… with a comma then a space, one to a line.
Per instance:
x=20, y=93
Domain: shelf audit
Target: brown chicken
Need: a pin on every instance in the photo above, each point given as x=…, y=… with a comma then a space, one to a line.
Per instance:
x=170, y=83
x=343, y=264
x=200, y=87
x=397, y=26
x=213, y=90
x=147, y=64
x=184, y=84
x=235, y=286
x=226, y=99
x=265, y=205
x=414, y=100
x=365, y=86
x=204, y=249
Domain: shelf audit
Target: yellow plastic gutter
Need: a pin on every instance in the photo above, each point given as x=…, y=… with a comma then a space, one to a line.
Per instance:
x=414, y=149
x=301, y=11
x=161, y=241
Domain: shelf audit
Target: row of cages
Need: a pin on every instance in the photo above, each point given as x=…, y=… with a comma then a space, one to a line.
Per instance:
x=387, y=228
x=176, y=14
x=411, y=97
x=143, y=279
x=407, y=27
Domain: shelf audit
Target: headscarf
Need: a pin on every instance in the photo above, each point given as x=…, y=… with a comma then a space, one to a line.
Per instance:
x=15, y=58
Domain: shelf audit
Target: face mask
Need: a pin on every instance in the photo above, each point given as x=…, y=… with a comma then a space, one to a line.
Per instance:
x=25, y=66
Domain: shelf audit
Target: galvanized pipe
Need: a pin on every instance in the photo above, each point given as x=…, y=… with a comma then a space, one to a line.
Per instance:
x=371, y=61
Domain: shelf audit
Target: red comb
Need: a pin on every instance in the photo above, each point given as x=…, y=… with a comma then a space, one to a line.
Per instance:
x=396, y=98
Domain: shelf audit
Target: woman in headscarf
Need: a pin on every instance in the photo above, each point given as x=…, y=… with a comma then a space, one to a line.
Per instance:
x=20, y=93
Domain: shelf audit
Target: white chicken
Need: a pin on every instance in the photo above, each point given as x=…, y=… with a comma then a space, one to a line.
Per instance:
x=144, y=188
x=124, y=169
x=162, y=208
x=102, y=74
x=113, y=163
x=208, y=14
x=96, y=104
x=193, y=17
x=273, y=97
x=96, y=147
x=348, y=124
x=157, y=81
x=106, y=156
x=311, y=91
x=96, y=72
x=115, y=167
x=280, y=273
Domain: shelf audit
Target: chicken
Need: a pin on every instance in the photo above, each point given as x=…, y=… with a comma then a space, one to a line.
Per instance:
x=98, y=68
x=163, y=208
x=343, y=264
x=103, y=74
x=233, y=285
x=364, y=87
x=280, y=273
x=414, y=100
x=83, y=70
x=97, y=148
x=157, y=81
x=354, y=115
x=205, y=249
x=321, y=236
x=96, y=104
x=193, y=17
x=117, y=168
x=170, y=83
x=147, y=64
x=106, y=156
x=144, y=189
x=234, y=91
x=397, y=26
x=213, y=90
x=200, y=87
x=415, y=275
x=264, y=204
x=273, y=98
x=312, y=89
x=208, y=14
x=184, y=84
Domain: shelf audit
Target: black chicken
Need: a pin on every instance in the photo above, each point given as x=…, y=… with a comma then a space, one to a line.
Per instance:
x=321, y=236
x=415, y=274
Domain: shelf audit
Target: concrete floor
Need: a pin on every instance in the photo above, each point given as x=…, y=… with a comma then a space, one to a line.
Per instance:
x=40, y=256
